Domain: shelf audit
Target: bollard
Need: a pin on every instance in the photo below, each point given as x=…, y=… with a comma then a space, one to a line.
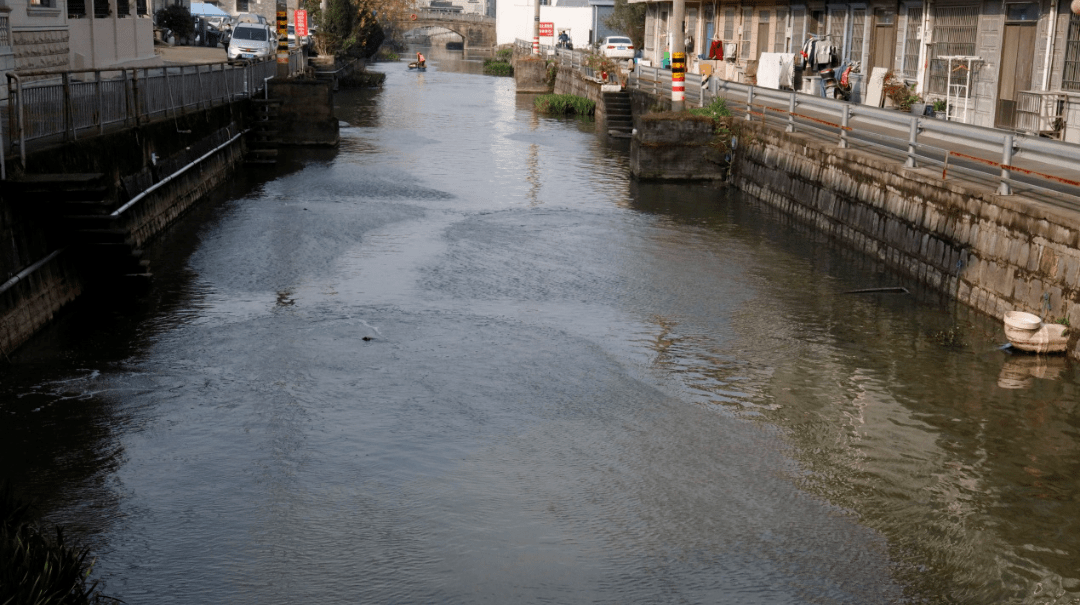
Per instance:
x=1006, y=160
x=749, y=102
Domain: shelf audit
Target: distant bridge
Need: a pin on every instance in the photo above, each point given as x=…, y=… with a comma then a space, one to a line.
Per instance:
x=476, y=30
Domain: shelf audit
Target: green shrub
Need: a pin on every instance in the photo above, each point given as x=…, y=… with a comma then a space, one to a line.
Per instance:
x=505, y=55
x=565, y=104
x=497, y=67
x=717, y=110
x=37, y=567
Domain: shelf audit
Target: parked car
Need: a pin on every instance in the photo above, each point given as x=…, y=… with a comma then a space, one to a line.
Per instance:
x=251, y=41
x=617, y=47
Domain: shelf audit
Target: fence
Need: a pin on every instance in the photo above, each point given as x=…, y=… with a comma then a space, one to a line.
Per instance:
x=68, y=104
x=1046, y=164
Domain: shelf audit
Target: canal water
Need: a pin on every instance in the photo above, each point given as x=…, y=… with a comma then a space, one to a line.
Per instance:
x=465, y=358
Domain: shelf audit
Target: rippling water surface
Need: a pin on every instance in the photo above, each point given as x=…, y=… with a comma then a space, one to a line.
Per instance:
x=466, y=359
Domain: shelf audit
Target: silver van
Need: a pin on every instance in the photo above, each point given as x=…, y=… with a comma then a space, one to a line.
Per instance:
x=251, y=41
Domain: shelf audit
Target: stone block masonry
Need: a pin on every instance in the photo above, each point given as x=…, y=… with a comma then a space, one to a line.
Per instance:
x=42, y=49
x=994, y=253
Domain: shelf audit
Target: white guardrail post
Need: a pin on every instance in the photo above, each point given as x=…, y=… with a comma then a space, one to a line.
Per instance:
x=913, y=142
x=844, y=120
x=1006, y=160
x=749, y=102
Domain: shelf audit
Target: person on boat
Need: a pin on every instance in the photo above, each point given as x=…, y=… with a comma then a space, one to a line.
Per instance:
x=420, y=59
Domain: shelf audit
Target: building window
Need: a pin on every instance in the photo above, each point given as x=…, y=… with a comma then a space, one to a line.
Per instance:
x=798, y=29
x=102, y=9
x=242, y=6
x=1070, y=77
x=123, y=8
x=42, y=3
x=782, y=25
x=747, y=23
x=912, y=41
x=729, y=25
x=955, y=29
x=140, y=7
x=858, y=29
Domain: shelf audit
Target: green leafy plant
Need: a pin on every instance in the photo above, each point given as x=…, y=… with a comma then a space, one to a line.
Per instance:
x=1063, y=321
x=717, y=110
x=564, y=104
x=504, y=54
x=498, y=67
x=37, y=566
x=900, y=93
x=940, y=105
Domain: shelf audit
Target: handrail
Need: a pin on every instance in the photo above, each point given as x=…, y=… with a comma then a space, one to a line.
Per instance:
x=165, y=180
x=71, y=102
x=1007, y=146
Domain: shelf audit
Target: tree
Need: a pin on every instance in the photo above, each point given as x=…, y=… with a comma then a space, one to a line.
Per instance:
x=629, y=19
x=355, y=27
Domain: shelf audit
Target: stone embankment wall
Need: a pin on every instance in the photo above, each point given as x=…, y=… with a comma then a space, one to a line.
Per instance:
x=570, y=82
x=994, y=253
x=677, y=146
x=41, y=269
x=40, y=49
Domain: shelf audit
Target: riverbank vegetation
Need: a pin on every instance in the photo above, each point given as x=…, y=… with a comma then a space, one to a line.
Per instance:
x=41, y=567
x=565, y=105
x=494, y=67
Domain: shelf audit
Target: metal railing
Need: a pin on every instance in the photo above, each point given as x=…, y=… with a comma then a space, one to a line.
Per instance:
x=918, y=140
x=65, y=105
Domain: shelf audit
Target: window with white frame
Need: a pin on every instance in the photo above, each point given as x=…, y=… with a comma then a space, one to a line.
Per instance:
x=798, y=29
x=837, y=26
x=858, y=34
x=747, y=32
x=912, y=41
x=1070, y=76
x=780, y=39
x=955, y=31
x=650, y=32
x=729, y=25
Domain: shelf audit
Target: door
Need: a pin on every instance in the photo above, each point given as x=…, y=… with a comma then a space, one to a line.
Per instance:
x=883, y=44
x=762, y=39
x=1017, y=63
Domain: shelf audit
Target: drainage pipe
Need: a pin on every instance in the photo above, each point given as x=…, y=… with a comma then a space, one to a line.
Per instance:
x=165, y=180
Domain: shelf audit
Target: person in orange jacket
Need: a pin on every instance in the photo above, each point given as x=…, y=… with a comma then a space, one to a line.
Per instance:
x=420, y=59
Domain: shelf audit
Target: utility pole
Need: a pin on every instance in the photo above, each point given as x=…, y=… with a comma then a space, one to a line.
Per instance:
x=678, y=56
x=536, y=28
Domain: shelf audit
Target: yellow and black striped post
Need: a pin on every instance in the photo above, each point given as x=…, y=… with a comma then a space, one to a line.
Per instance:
x=678, y=80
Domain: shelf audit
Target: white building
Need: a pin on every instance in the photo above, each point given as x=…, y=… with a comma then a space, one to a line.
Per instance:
x=514, y=20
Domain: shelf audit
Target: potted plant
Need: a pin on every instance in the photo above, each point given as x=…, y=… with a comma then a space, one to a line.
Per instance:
x=902, y=95
x=941, y=109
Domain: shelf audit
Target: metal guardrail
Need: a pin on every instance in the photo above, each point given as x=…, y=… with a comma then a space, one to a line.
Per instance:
x=923, y=140
x=65, y=104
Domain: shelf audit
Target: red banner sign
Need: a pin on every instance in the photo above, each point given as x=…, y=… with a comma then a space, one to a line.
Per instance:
x=547, y=28
x=300, y=22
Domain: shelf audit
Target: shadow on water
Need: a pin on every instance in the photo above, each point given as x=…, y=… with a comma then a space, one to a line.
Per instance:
x=59, y=417
x=902, y=408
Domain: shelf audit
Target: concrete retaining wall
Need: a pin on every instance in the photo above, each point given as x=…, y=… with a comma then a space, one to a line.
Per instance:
x=41, y=274
x=677, y=146
x=993, y=253
x=570, y=82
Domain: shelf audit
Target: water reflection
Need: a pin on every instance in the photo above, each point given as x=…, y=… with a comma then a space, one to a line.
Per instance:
x=1020, y=371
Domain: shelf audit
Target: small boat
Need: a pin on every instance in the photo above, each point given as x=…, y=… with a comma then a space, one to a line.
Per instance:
x=417, y=67
x=1027, y=332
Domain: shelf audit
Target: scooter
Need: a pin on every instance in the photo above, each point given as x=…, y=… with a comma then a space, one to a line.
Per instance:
x=840, y=90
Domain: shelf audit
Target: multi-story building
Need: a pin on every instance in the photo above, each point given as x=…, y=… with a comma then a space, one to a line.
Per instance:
x=1023, y=58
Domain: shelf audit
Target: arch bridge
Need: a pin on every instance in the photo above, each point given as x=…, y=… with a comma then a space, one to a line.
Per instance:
x=476, y=30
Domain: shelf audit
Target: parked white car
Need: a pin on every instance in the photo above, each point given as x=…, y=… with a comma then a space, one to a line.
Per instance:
x=617, y=47
x=251, y=41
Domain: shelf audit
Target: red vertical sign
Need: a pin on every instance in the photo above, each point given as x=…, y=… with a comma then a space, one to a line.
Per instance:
x=300, y=22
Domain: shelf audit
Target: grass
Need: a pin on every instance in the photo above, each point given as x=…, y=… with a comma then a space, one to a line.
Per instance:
x=498, y=67
x=504, y=55
x=38, y=566
x=565, y=104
